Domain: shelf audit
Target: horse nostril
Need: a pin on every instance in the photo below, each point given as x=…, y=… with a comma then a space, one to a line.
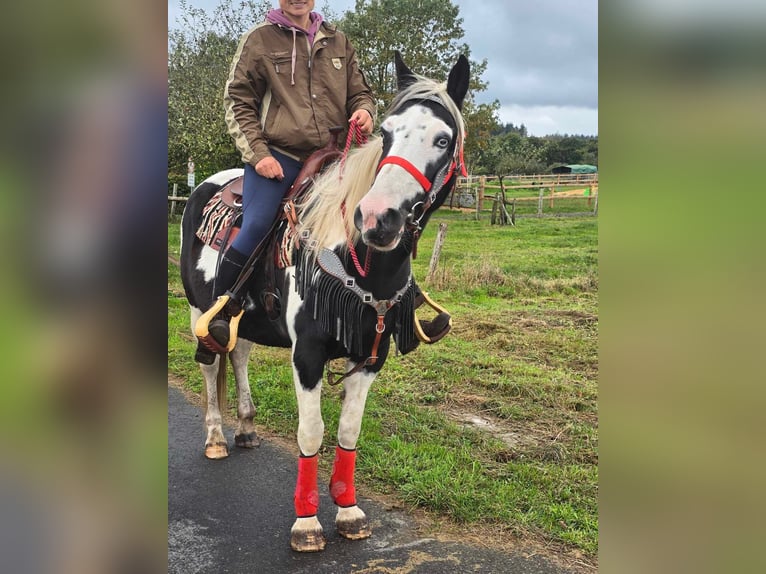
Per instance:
x=393, y=219
x=358, y=218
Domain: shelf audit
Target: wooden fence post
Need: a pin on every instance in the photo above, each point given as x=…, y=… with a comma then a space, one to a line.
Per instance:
x=440, y=235
x=173, y=202
x=595, y=205
x=480, y=196
x=540, y=203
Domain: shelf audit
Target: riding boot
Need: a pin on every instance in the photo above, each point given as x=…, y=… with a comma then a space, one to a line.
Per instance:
x=228, y=272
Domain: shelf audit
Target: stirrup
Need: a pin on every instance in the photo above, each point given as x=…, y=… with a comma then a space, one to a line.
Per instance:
x=201, y=327
x=433, y=337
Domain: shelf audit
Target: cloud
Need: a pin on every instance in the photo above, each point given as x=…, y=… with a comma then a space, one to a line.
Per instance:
x=547, y=120
x=540, y=54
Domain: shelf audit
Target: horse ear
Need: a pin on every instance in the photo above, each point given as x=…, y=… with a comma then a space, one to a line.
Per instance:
x=404, y=76
x=457, y=82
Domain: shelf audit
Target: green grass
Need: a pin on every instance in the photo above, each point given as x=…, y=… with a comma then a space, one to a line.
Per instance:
x=522, y=355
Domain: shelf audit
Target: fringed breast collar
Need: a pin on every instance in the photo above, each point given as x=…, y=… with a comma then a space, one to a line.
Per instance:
x=336, y=301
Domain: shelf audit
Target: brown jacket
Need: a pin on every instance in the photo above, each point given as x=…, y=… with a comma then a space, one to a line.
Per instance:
x=264, y=109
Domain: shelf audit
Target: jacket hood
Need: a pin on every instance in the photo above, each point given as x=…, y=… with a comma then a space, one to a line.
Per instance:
x=277, y=17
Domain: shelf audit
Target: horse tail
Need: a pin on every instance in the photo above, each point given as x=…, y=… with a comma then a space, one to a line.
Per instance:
x=220, y=383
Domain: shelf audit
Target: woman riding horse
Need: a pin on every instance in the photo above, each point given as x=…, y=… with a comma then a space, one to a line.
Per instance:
x=370, y=208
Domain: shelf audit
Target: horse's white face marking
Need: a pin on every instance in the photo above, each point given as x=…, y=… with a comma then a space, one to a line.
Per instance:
x=208, y=258
x=418, y=136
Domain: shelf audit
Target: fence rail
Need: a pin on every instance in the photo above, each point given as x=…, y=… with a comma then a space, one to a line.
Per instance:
x=531, y=181
x=557, y=195
x=485, y=194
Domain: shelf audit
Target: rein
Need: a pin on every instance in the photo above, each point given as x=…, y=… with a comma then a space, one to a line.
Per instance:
x=352, y=250
x=354, y=135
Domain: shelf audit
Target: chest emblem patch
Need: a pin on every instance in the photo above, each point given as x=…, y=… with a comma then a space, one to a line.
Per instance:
x=336, y=63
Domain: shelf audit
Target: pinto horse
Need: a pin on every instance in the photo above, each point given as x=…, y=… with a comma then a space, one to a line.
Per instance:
x=348, y=289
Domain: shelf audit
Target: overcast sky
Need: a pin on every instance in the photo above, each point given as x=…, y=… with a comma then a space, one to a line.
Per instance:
x=542, y=58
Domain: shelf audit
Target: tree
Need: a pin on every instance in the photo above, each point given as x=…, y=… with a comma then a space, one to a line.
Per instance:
x=481, y=121
x=511, y=153
x=428, y=33
x=199, y=58
x=571, y=149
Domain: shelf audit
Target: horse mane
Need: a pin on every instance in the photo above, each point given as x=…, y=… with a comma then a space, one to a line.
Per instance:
x=349, y=181
x=342, y=182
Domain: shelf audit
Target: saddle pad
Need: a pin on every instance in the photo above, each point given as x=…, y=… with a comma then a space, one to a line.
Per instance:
x=284, y=254
x=217, y=217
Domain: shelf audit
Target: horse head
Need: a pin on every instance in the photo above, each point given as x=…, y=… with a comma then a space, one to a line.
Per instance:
x=422, y=148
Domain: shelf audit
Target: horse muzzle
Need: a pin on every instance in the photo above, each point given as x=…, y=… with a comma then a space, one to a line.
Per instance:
x=382, y=230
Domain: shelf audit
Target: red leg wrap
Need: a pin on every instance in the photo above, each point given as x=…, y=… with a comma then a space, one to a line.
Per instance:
x=306, y=491
x=342, y=481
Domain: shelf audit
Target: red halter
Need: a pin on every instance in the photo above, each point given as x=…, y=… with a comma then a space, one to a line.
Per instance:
x=411, y=169
x=418, y=175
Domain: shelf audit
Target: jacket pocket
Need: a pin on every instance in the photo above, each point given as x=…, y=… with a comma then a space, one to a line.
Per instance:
x=281, y=65
x=273, y=121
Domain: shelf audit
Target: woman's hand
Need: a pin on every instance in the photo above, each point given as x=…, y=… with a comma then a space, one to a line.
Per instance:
x=270, y=168
x=363, y=120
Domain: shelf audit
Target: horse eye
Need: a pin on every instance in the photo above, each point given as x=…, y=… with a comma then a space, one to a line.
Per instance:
x=442, y=142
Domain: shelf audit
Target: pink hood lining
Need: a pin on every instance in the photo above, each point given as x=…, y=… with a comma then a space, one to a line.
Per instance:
x=278, y=17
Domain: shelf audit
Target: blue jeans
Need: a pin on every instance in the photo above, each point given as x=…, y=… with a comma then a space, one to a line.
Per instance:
x=261, y=198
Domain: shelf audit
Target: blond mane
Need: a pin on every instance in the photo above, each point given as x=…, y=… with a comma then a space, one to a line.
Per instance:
x=321, y=214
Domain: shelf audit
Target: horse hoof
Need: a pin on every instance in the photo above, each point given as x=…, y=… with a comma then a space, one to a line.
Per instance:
x=307, y=541
x=352, y=523
x=358, y=529
x=247, y=440
x=216, y=451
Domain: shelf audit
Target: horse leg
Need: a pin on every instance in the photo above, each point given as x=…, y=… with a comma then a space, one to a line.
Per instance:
x=306, y=534
x=245, y=435
x=215, y=443
x=350, y=521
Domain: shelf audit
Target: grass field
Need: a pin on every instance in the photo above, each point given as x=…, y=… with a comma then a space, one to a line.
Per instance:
x=495, y=428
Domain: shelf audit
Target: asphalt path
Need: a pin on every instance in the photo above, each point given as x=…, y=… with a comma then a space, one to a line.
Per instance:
x=234, y=515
